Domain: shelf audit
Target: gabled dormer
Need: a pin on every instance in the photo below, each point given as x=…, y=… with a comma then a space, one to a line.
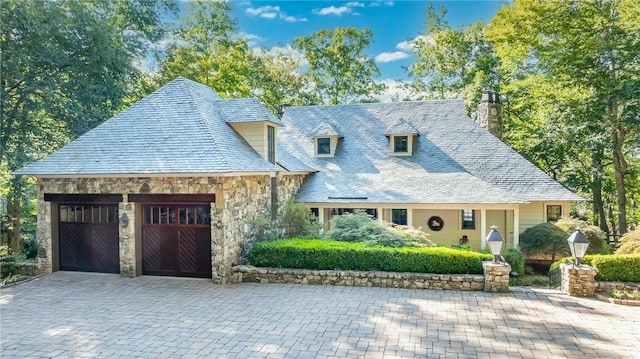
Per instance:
x=255, y=124
x=325, y=140
x=401, y=137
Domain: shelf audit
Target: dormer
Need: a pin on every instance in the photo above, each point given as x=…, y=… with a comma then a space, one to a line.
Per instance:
x=325, y=140
x=255, y=124
x=401, y=137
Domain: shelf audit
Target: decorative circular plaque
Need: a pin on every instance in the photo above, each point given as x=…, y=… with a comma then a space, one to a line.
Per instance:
x=435, y=223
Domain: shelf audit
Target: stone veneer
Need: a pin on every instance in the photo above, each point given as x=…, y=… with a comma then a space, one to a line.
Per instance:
x=578, y=281
x=496, y=277
x=238, y=199
x=466, y=282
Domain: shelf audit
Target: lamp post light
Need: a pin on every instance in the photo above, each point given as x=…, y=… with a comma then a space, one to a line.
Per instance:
x=578, y=243
x=495, y=240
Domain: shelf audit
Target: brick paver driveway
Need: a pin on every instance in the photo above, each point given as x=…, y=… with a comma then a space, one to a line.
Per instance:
x=104, y=316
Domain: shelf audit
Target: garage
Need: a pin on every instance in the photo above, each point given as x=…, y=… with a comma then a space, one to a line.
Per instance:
x=176, y=237
x=88, y=237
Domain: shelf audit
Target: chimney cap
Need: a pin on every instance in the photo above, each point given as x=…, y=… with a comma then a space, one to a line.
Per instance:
x=490, y=97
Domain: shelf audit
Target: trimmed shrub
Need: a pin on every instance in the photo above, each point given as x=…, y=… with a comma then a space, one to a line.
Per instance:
x=596, y=236
x=545, y=239
x=629, y=243
x=327, y=254
x=298, y=221
x=614, y=268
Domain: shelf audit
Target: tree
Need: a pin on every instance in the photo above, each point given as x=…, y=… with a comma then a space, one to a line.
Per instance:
x=339, y=71
x=597, y=53
x=65, y=67
x=544, y=239
x=453, y=63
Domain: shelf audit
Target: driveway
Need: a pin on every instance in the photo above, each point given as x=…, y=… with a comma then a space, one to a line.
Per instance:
x=66, y=314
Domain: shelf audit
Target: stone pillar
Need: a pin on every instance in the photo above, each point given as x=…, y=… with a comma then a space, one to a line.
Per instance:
x=127, y=237
x=496, y=277
x=578, y=281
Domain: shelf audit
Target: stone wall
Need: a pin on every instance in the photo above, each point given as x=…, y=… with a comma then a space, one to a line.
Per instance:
x=496, y=277
x=238, y=200
x=577, y=281
x=623, y=286
x=24, y=268
x=466, y=282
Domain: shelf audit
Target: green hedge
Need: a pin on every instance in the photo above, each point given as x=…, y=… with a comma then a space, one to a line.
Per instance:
x=614, y=268
x=327, y=254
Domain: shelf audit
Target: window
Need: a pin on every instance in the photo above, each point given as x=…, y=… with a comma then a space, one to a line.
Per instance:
x=176, y=214
x=468, y=219
x=323, y=146
x=399, y=216
x=271, y=143
x=400, y=144
x=554, y=212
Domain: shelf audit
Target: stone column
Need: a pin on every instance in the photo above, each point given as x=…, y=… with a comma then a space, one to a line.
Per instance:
x=496, y=277
x=578, y=281
x=127, y=238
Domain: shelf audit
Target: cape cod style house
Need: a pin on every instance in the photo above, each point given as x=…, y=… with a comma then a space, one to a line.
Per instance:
x=167, y=187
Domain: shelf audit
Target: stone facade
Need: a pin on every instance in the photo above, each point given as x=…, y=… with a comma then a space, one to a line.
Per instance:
x=623, y=286
x=238, y=199
x=466, y=282
x=496, y=277
x=578, y=281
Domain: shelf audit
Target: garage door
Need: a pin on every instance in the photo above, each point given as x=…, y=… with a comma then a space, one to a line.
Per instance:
x=88, y=237
x=176, y=239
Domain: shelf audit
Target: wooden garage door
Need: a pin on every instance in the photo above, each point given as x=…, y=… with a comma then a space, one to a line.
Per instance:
x=176, y=240
x=88, y=237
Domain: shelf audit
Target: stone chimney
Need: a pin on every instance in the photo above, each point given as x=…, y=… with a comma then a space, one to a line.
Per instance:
x=490, y=113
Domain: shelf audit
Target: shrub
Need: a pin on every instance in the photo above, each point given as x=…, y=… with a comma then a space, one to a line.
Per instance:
x=514, y=257
x=414, y=237
x=546, y=239
x=616, y=268
x=629, y=243
x=30, y=247
x=298, y=221
x=359, y=227
x=327, y=254
x=597, y=238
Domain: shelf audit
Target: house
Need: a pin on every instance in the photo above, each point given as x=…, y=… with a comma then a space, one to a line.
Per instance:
x=164, y=188
x=168, y=186
x=423, y=164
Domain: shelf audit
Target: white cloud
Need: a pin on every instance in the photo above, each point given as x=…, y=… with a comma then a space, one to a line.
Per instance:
x=355, y=4
x=286, y=51
x=252, y=39
x=272, y=12
x=347, y=8
x=380, y=3
x=391, y=56
x=397, y=90
x=404, y=46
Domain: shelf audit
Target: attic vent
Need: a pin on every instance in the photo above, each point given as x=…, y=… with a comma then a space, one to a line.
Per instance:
x=355, y=198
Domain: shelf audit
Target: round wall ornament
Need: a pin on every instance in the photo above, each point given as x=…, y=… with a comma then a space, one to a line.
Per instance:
x=435, y=223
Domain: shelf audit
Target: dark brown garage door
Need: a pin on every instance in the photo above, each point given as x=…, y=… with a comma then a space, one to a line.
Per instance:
x=88, y=237
x=176, y=240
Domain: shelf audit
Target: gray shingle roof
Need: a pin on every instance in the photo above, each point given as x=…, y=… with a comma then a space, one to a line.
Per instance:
x=245, y=110
x=401, y=127
x=325, y=129
x=454, y=160
x=178, y=129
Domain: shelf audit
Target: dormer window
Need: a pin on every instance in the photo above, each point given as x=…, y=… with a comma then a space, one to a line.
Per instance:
x=325, y=140
x=400, y=144
x=401, y=136
x=323, y=146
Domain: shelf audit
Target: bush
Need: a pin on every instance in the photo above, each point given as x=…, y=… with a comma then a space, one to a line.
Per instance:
x=629, y=243
x=298, y=221
x=30, y=247
x=327, y=254
x=514, y=257
x=615, y=268
x=546, y=239
x=597, y=238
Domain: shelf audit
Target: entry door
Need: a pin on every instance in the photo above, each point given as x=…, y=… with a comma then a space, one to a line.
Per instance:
x=88, y=237
x=176, y=240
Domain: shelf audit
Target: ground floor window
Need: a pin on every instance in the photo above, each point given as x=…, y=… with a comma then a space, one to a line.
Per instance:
x=372, y=212
x=399, y=217
x=468, y=219
x=554, y=212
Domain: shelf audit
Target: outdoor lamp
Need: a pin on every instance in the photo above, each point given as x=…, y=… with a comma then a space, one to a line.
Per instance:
x=124, y=220
x=494, y=240
x=578, y=243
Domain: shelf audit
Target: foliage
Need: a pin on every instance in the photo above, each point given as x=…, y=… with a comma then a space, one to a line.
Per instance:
x=514, y=257
x=360, y=227
x=30, y=247
x=545, y=239
x=614, y=268
x=572, y=90
x=326, y=254
x=529, y=281
x=629, y=243
x=339, y=70
x=617, y=293
x=14, y=278
x=298, y=221
x=453, y=62
x=597, y=238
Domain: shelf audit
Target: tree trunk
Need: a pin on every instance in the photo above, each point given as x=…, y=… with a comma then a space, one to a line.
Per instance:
x=600, y=216
x=14, y=210
x=620, y=171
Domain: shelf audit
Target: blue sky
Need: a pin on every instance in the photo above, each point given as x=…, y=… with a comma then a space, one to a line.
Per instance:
x=272, y=24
